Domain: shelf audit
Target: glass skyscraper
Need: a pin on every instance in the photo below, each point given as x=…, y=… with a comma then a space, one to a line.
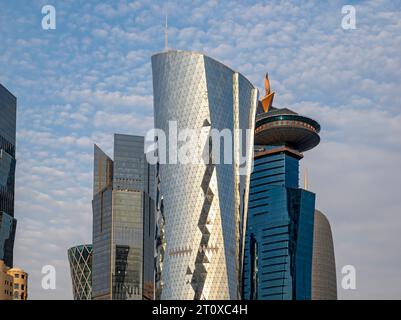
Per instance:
x=8, y=109
x=280, y=230
x=123, y=222
x=80, y=259
x=201, y=207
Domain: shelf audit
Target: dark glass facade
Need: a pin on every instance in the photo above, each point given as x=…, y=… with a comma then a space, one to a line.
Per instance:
x=8, y=107
x=8, y=225
x=80, y=258
x=123, y=222
x=278, y=246
x=280, y=225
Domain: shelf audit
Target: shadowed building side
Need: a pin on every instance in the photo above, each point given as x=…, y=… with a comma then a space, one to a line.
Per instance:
x=102, y=215
x=8, y=109
x=324, y=283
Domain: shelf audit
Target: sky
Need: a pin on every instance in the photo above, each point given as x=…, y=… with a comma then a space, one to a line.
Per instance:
x=91, y=77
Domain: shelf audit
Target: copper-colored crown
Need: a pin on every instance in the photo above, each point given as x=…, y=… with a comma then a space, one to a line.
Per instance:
x=267, y=100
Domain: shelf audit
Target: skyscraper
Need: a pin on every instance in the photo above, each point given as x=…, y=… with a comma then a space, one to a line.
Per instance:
x=324, y=282
x=123, y=222
x=279, y=239
x=201, y=207
x=8, y=109
x=80, y=259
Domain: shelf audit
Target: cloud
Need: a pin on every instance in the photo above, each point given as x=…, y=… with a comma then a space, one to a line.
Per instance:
x=123, y=122
x=101, y=33
x=354, y=171
x=107, y=99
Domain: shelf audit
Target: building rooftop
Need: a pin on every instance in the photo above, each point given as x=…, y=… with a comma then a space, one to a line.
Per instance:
x=283, y=126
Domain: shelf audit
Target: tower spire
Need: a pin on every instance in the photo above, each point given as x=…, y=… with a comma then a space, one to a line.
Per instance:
x=267, y=100
x=306, y=182
x=166, y=33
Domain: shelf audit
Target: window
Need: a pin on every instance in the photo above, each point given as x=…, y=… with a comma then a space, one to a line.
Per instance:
x=16, y=286
x=22, y=287
x=16, y=295
x=23, y=276
x=16, y=275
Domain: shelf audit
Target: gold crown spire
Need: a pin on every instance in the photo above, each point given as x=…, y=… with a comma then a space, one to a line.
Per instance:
x=267, y=100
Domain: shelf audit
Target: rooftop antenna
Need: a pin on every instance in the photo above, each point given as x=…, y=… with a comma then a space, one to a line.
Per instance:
x=306, y=182
x=166, y=34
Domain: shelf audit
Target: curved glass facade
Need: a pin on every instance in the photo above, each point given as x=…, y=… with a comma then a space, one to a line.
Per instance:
x=324, y=282
x=80, y=258
x=201, y=206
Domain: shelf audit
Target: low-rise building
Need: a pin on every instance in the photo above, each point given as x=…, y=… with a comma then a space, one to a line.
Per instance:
x=13, y=283
x=20, y=283
x=6, y=283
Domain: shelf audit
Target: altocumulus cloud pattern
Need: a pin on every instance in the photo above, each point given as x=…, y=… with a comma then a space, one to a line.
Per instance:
x=91, y=77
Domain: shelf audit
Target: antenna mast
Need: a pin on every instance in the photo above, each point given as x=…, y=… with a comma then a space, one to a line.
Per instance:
x=166, y=34
x=306, y=182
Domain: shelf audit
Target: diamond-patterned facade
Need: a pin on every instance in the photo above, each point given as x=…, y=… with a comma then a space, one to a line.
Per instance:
x=80, y=258
x=203, y=206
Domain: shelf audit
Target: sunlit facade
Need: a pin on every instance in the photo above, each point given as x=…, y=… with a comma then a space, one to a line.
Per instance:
x=123, y=222
x=324, y=281
x=13, y=283
x=8, y=109
x=201, y=207
x=20, y=283
x=6, y=283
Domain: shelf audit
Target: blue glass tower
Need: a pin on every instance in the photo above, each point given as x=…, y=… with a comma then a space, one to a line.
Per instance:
x=279, y=237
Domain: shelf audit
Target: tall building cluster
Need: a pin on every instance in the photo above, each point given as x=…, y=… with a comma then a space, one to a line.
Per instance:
x=207, y=230
x=13, y=281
